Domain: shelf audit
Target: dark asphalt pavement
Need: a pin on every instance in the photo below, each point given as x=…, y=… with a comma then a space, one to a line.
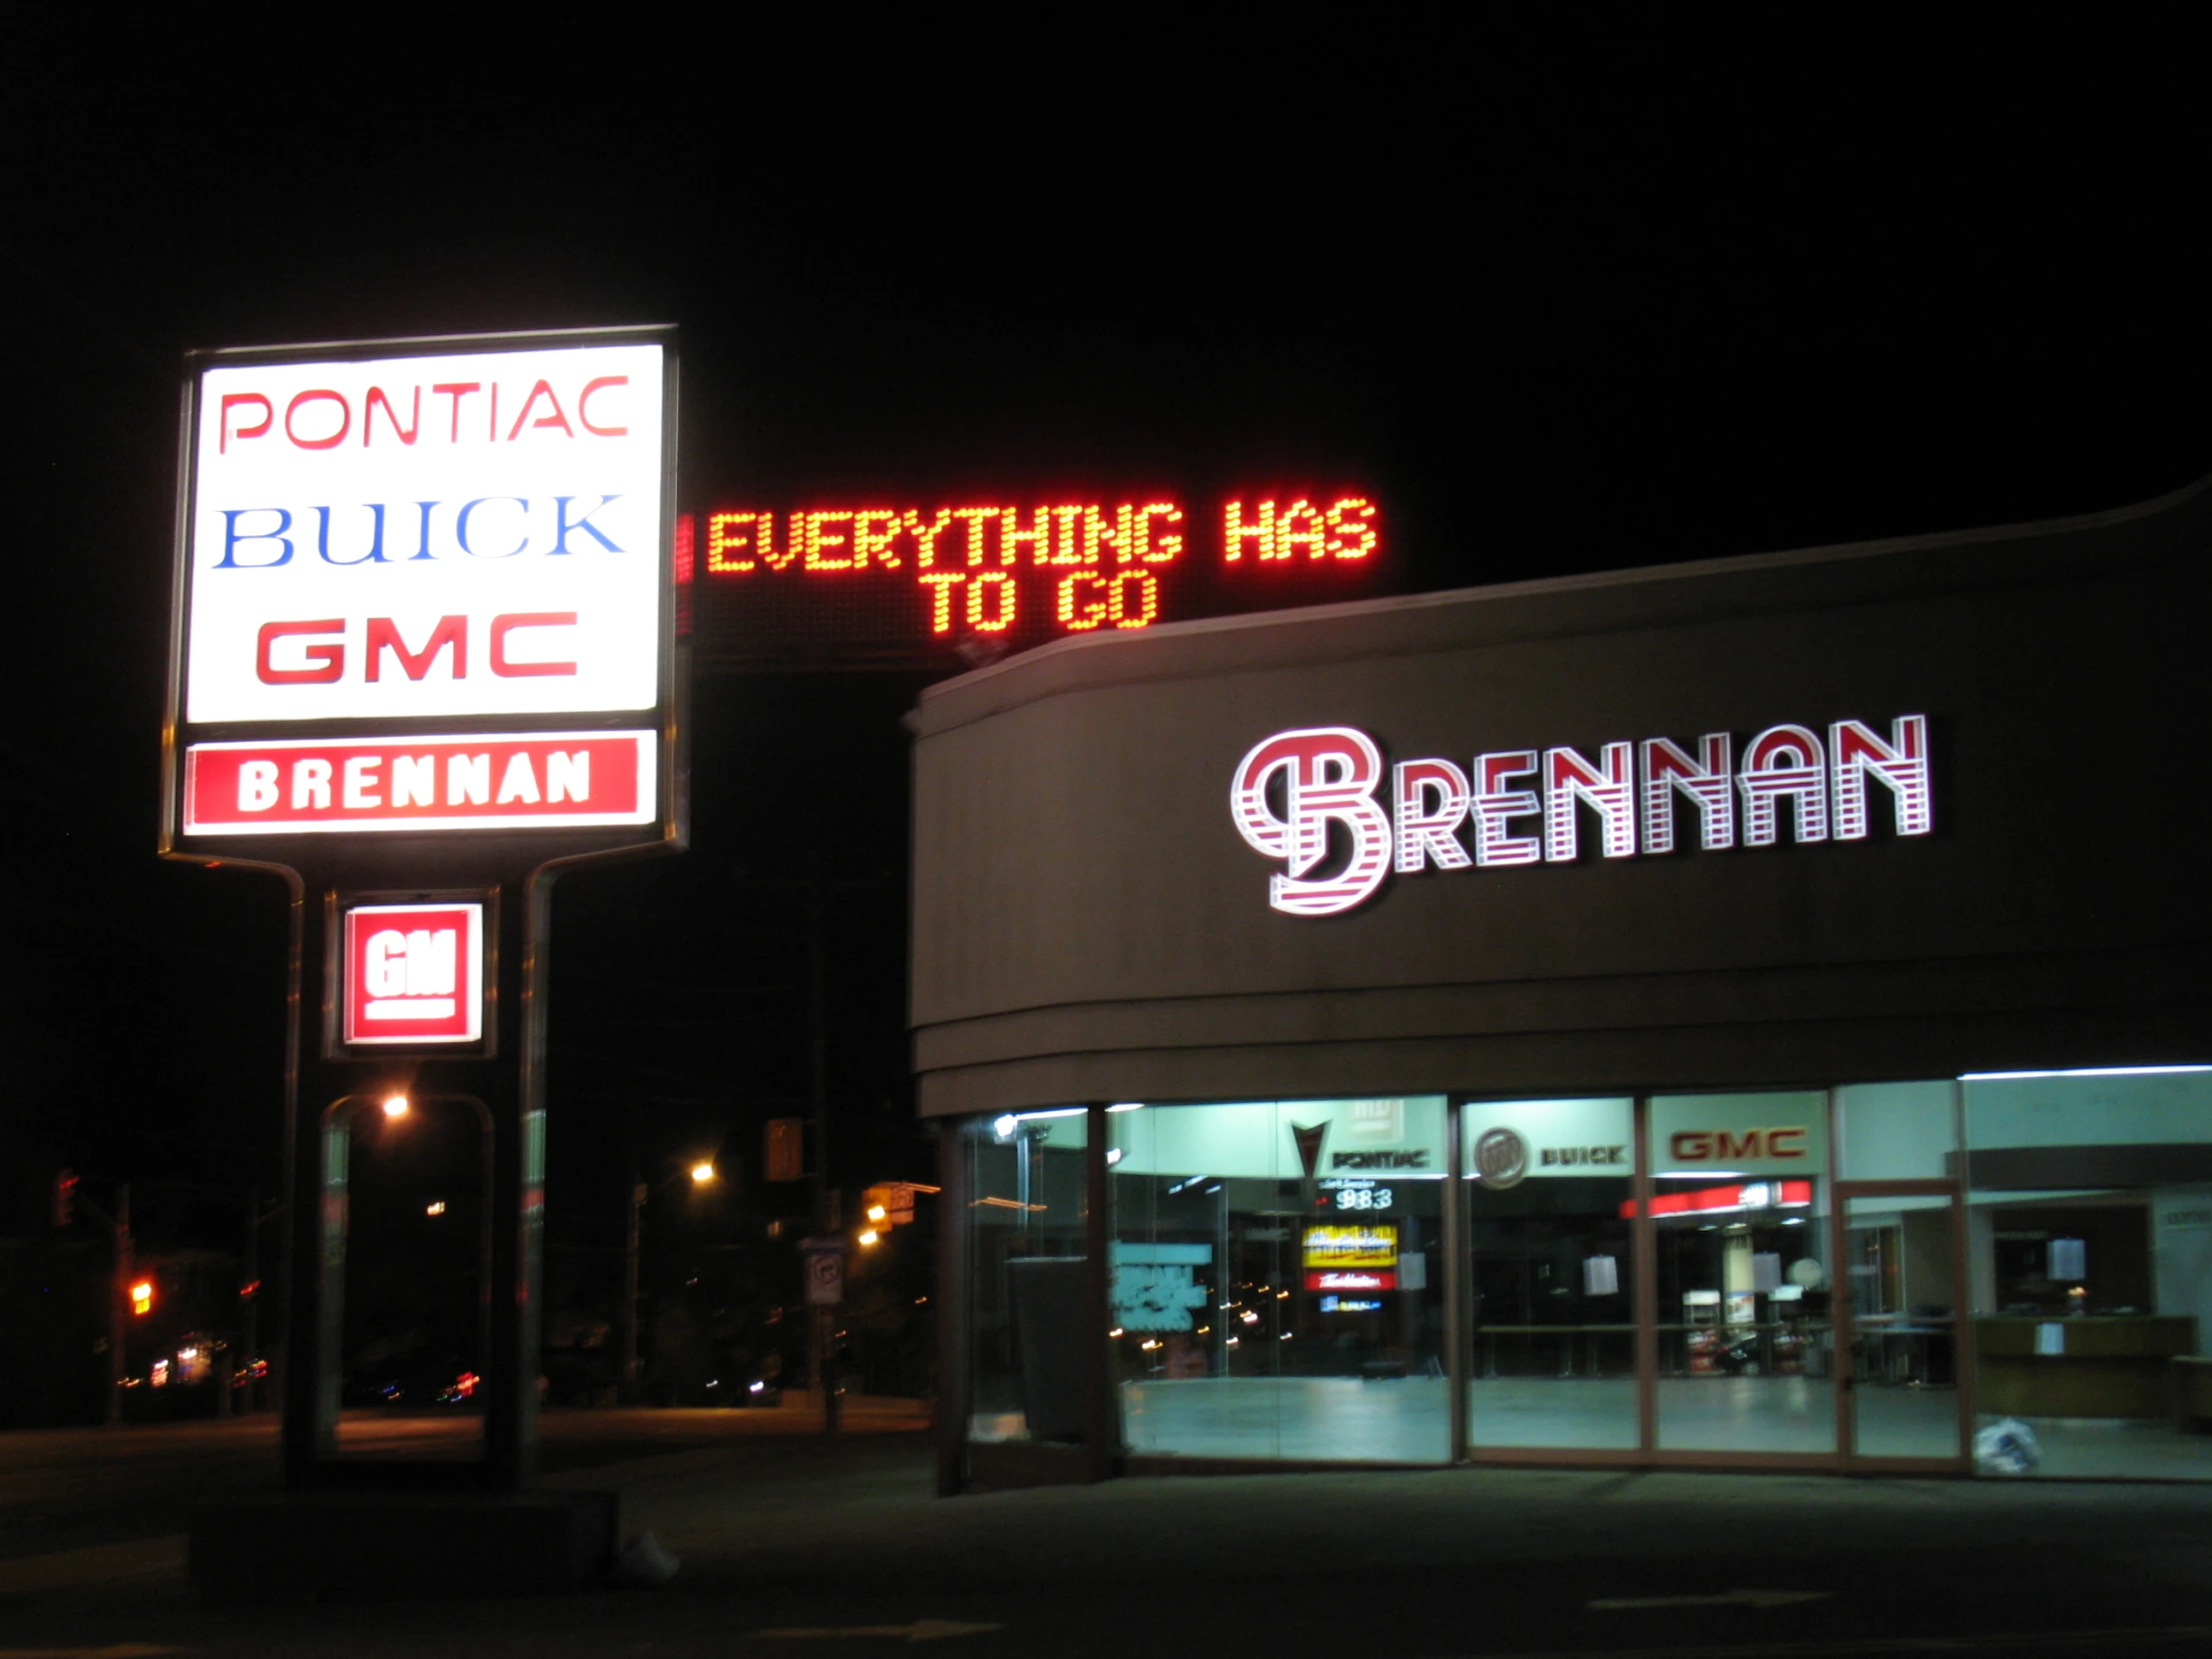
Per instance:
x=792, y=1547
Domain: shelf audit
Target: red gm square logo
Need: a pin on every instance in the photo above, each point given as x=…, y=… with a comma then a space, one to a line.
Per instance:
x=415, y=973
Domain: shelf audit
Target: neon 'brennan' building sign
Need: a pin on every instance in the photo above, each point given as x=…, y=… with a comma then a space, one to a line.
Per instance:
x=1523, y=806
x=915, y=581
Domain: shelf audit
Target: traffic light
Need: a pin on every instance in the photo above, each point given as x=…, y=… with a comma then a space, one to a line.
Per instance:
x=65, y=1197
x=142, y=1297
x=888, y=1203
x=785, y=1158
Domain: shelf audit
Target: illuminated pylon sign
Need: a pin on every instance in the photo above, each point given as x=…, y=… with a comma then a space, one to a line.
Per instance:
x=1521, y=806
x=413, y=973
x=428, y=587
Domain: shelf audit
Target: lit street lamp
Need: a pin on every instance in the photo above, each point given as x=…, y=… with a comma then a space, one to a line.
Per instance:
x=703, y=1174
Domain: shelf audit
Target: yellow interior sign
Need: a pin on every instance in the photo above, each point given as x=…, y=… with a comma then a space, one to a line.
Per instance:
x=1368, y=1245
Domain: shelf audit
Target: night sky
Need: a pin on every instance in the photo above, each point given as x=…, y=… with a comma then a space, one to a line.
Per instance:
x=1564, y=300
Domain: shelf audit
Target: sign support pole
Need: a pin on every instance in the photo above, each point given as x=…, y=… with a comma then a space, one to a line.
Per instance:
x=119, y=1304
x=818, y=1088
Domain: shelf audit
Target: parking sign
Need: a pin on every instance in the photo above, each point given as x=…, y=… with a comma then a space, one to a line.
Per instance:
x=824, y=1259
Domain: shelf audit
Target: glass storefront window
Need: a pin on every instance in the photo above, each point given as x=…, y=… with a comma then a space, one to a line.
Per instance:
x=1025, y=1260
x=1740, y=1206
x=2090, y=1221
x=1549, y=1189
x=1277, y=1279
x=1902, y=1256
x=1277, y=1274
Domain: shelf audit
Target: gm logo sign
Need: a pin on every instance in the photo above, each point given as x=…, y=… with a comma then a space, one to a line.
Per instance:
x=413, y=973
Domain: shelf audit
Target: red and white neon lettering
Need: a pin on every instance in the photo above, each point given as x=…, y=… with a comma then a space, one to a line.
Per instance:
x=1856, y=753
x=1331, y=773
x=1329, y=776
x=1784, y=763
x=1609, y=787
x=1432, y=800
x=1495, y=806
x=1709, y=782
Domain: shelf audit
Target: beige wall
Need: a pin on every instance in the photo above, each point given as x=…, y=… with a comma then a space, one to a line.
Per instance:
x=1088, y=924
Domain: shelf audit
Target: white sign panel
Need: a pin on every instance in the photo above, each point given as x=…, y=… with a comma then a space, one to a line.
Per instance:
x=469, y=534
x=825, y=1277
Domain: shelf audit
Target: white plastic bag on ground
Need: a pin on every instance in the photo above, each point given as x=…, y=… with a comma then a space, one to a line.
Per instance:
x=2006, y=1447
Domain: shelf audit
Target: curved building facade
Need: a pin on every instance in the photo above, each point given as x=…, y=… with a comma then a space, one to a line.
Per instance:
x=1752, y=1010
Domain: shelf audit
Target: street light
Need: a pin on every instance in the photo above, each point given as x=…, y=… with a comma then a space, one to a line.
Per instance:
x=703, y=1174
x=395, y=1106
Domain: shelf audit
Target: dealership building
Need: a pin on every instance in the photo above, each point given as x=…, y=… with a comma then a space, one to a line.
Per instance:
x=1740, y=1013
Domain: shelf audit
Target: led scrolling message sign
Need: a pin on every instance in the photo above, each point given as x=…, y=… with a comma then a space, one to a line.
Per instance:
x=923, y=578
x=1525, y=806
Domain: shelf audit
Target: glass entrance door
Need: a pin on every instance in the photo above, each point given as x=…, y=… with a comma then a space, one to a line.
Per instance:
x=1901, y=1290
x=1739, y=1225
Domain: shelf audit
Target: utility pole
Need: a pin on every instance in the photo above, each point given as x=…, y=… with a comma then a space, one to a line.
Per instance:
x=118, y=1225
x=817, y=893
x=119, y=1297
x=826, y=1221
x=249, y=1290
x=630, y=1248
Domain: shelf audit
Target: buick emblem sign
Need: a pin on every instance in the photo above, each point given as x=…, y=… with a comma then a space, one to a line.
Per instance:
x=1500, y=1159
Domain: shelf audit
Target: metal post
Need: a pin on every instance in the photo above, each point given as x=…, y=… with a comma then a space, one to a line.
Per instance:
x=298, y=1404
x=630, y=1247
x=956, y=1303
x=1101, y=1418
x=119, y=1315
x=1644, y=1249
x=324, y=1347
x=250, y=1288
x=818, y=1088
x=1458, y=1253
x=518, y=1190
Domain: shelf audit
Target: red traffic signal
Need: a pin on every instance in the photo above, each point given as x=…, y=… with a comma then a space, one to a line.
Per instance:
x=785, y=1149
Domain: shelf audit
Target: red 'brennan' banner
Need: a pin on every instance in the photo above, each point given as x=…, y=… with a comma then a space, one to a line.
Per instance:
x=542, y=780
